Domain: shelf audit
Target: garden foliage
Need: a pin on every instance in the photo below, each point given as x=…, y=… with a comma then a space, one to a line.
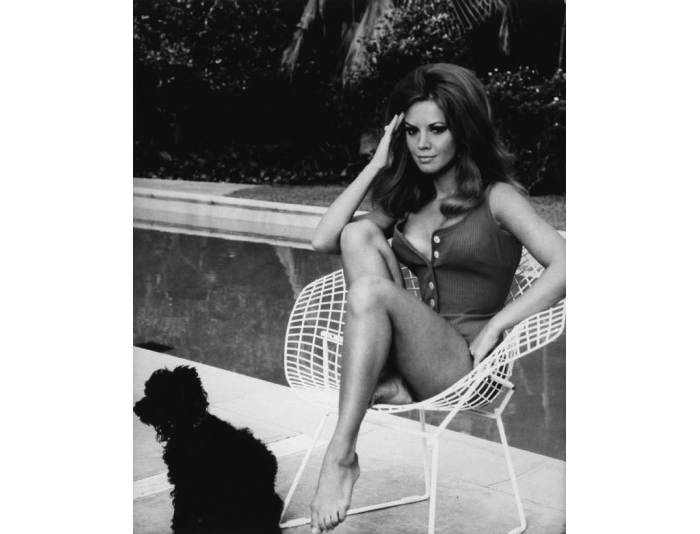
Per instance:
x=404, y=39
x=210, y=101
x=231, y=45
x=530, y=112
x=197, y=63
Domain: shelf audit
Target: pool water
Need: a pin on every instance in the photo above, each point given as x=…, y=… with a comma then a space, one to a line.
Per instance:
x=226, y=303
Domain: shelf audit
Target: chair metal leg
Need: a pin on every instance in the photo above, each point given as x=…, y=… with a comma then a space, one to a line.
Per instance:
x=513, y=481
x=426, y=454
x=433, y=487
x=297, y=478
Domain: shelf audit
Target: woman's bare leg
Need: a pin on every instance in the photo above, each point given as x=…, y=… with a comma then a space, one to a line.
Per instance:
x=366, y=252
x=430, y=354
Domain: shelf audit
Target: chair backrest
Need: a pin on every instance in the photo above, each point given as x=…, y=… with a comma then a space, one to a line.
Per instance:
x=315, y=336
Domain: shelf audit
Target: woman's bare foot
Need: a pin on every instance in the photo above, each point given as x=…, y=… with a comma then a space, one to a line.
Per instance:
x=334, y=491
x=392, y=390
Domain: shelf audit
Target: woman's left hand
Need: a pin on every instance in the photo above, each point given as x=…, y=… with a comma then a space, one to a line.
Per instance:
x=483, y=343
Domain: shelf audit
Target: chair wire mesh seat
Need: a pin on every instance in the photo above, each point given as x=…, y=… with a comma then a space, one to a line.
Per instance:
x=312, y=363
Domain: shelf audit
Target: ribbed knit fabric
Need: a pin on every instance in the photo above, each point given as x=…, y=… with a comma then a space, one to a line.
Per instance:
x=471, y=269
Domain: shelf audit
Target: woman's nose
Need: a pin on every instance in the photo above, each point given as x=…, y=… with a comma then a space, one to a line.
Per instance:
x=423, y=140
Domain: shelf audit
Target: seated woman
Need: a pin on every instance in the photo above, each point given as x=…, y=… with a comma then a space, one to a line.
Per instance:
x=442, y=184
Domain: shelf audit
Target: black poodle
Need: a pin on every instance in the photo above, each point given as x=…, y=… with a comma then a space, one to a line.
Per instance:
x=223, y=478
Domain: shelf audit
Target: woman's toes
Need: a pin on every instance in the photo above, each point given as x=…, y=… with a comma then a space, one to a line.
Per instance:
x=315, y=527
x=328, y=523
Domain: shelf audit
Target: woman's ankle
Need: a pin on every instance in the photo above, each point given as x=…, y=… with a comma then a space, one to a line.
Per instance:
x=341, y=453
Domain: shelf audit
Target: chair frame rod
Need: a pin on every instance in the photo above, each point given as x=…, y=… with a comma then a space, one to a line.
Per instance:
x=430, y=443
x=300, y=471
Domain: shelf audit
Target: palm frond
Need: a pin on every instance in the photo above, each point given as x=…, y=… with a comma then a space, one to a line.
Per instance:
x=313, y=10
x=470, y=14
x=356, y=56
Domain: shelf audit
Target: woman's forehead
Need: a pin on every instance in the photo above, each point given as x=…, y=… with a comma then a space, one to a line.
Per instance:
x=424, y=112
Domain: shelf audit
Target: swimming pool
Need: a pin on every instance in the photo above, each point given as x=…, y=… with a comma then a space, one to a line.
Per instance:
x=226, y=303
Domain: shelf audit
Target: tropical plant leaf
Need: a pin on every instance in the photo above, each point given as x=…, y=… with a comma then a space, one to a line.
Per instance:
x=356, y=57
x=470, y=14
x=313, y=11
x=466, y=14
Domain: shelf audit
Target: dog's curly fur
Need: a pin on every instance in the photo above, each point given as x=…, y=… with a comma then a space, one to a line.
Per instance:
x=223, y=478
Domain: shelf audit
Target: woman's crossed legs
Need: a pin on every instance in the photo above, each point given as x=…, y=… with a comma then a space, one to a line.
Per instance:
x=382, y=318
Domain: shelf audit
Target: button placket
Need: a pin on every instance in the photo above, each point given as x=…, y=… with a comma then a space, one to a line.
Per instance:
x=431, y=284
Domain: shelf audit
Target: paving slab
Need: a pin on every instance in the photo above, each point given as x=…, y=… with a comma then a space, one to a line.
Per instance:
x=474, y=493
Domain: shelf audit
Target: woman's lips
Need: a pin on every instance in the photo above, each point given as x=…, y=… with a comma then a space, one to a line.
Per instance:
x=425, y=159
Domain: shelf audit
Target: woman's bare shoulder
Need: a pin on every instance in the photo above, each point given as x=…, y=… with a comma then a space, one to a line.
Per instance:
x=503, y=190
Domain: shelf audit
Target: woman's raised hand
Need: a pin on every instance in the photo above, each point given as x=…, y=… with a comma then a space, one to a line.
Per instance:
x=382, y=156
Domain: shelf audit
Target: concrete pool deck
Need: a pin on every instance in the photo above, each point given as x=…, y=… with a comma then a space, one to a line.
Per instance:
x=186, y=186
x=474, y=493
x=202, y=208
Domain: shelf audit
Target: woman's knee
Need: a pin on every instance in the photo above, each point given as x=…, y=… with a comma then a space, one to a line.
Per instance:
x=369, y=292
x=359, y=235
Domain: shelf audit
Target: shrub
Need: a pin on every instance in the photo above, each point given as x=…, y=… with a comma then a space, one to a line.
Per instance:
x=229, y=45
x=195, y=64
x=530, y=112
x=211, y=103
x=257, y=163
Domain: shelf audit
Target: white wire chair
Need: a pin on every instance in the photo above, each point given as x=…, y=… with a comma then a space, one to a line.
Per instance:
x=312, y=366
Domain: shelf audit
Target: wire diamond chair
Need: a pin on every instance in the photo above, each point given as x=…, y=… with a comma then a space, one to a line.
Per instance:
x=313, y=363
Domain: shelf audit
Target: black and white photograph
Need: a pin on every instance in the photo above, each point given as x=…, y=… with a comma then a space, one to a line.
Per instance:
x=349, y=266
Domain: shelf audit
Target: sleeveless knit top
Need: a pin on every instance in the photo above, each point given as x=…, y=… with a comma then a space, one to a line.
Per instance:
x=468, y=277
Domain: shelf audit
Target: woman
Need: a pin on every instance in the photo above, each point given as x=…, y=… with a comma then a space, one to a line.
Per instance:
x=441, y=181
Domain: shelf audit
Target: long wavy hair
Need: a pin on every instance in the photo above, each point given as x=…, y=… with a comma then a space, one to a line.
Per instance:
x=481, y=158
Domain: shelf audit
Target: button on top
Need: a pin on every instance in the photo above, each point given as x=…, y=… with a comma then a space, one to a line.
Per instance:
x=431, y=285
x=436, y=239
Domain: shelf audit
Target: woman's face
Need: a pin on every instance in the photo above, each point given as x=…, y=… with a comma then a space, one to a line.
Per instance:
x=430, y=143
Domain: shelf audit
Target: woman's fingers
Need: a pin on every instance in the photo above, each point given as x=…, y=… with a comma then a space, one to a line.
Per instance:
x=391, y=128
x=399, y=120
x=382, y=155
x=394, y=124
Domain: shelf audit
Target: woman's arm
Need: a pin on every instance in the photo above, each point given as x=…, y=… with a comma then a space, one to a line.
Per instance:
x=514, y=213
x=326, y=238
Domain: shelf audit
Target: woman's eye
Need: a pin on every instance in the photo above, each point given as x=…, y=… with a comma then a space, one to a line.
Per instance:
x=410, y=130
x=438, y=129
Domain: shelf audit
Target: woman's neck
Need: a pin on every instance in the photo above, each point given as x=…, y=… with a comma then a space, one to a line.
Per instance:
x=446, y=184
